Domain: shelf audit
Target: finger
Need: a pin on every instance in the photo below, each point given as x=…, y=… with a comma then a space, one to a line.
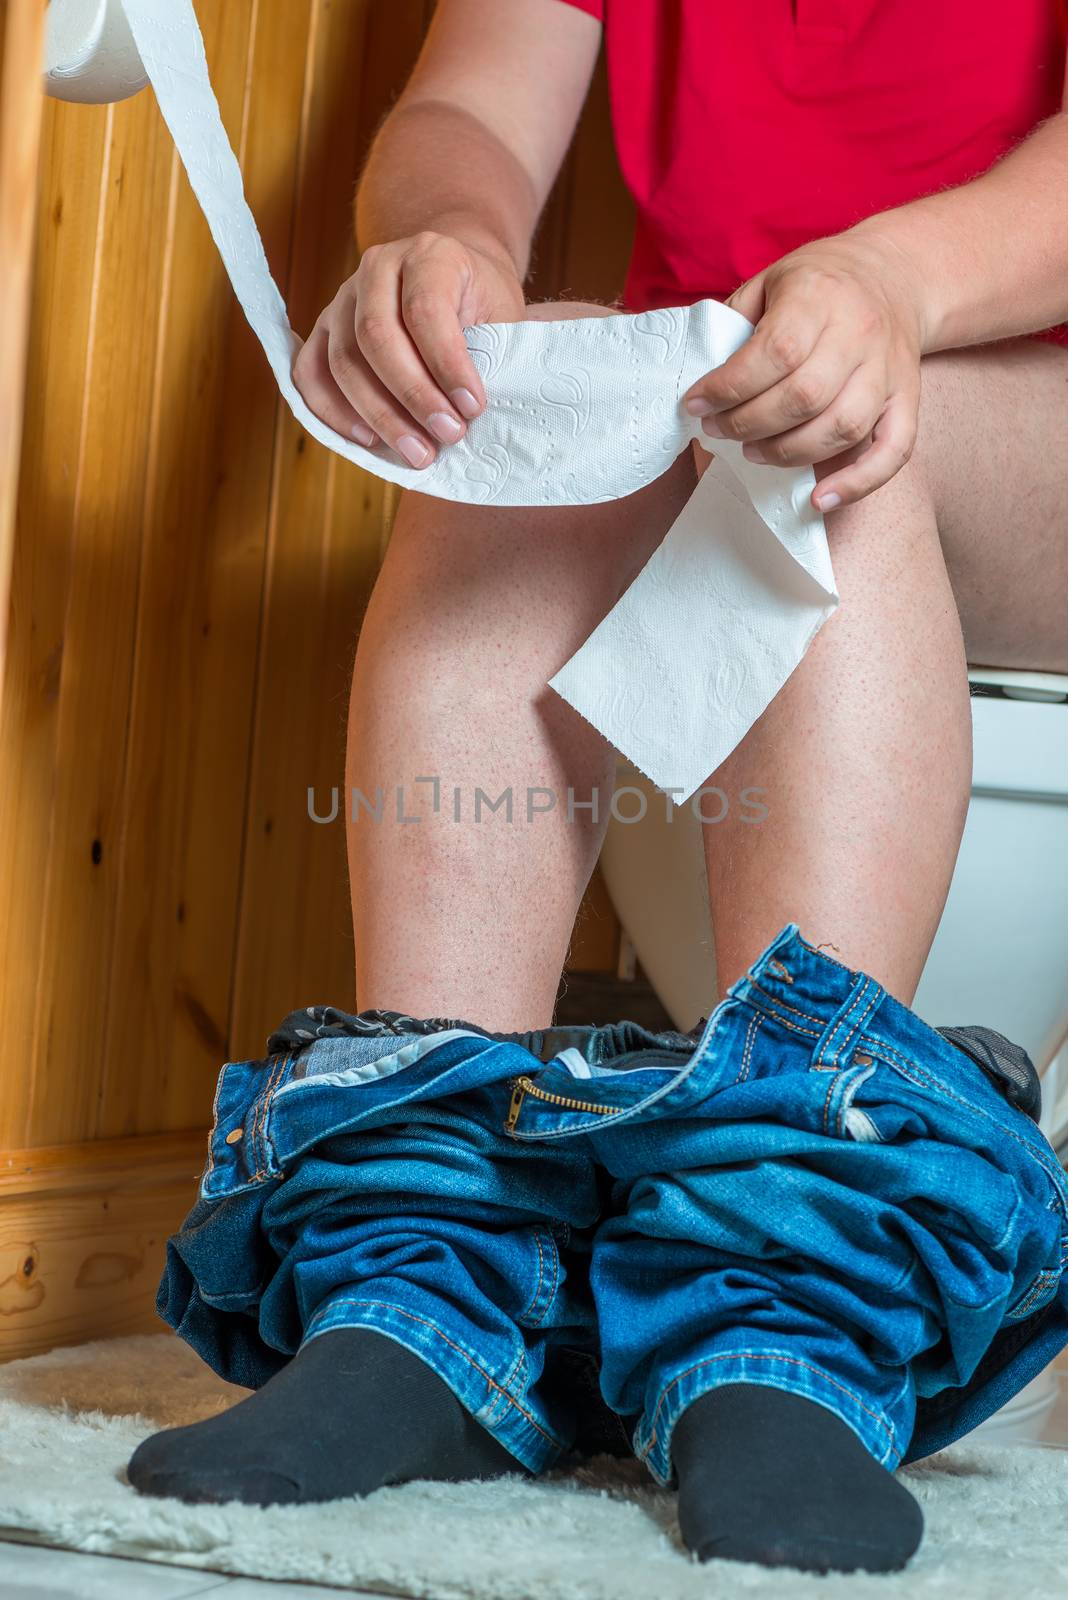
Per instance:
x=391, y=353
x=893, y=439
x=846, y=421
x=793, y=401
x=315, y=383
x=784, y=339
x=375, y=404
x=749, y=299
x=432, y=289
x=363, y=390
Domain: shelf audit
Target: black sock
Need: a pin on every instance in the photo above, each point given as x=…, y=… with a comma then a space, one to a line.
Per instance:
x=352, y=1411
x=768, y=1476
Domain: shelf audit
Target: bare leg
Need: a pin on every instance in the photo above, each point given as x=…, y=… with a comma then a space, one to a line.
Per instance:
x=473, y=612
x=865, y=754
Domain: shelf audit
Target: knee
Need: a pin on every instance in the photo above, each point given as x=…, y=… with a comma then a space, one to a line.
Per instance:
x=902, y=507
x=888, y=540
x=907, y=499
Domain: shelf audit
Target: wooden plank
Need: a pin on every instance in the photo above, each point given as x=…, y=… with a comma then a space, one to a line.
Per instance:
x=21, y=98
x=81, y=885
x=295, y=942
x=595, y=941
x=83, y=1230
x=95, y=1165
x=601, y=218
x=186, y=770
x=74, y=148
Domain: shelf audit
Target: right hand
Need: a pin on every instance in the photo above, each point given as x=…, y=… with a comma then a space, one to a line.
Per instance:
x=387, y=360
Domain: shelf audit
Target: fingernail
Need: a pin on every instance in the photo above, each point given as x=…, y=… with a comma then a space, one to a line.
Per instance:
x=413, y=450
x=753, y=452
x=698, y=407
x=465, y=403
x=444, y=427
x=363, y=434
x=828, y=501
x=712, y=428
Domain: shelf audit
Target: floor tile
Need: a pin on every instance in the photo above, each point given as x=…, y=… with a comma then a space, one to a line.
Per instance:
x=255, y=1589
x=37, y=1572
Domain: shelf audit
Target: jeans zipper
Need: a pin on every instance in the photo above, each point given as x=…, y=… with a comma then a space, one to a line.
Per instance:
x=524, y=1086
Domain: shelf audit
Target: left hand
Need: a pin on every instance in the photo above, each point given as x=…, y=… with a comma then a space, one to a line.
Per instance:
x=832, y=371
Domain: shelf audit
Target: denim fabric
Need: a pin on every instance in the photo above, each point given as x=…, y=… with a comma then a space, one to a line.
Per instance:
x=814, y=1190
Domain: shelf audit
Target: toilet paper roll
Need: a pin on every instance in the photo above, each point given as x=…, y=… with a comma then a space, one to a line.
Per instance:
x=579, y=412
x=90, y=53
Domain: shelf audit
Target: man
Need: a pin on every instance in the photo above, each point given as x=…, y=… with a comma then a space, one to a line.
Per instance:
x=873, y=183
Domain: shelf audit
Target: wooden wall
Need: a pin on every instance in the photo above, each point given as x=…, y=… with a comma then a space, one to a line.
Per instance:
x=189, y=574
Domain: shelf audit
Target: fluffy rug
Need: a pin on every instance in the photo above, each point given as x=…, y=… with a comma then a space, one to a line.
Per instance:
x=996, y=1518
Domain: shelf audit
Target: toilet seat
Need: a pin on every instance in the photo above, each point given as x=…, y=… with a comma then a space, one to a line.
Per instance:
x=1049, y=686
x=654, y=872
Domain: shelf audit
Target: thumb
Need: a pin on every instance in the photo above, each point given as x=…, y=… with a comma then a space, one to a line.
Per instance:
x=749, y=299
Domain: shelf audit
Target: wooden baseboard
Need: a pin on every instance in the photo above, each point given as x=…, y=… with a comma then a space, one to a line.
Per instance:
x=82, y=1234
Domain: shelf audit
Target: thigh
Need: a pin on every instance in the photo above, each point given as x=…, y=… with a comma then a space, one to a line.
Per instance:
x=991, y=451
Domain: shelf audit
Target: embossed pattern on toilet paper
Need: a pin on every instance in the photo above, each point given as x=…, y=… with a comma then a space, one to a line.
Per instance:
x=579, y=412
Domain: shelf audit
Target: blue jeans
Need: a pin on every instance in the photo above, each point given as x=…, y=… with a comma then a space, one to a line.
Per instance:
x=813, y=1190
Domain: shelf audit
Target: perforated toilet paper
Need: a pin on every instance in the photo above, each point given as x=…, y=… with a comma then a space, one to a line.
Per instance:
x=579, y=412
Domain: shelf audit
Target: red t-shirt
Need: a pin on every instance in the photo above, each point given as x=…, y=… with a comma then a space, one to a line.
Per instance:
x=745, y=128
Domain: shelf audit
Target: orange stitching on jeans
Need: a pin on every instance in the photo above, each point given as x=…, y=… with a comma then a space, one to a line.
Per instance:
x=541, y=1275
x=1037, y=1290
x=1055, y=1173
x=494, y=1405
x=877, y=995
x=842, y=1021
x=214, y=1124
x=260, y=1119
x=784, y=972
x=758, y=1356
x=265, y=1111
x=750, y=1035
x=808, y=1016
x=851, y=1024
x=827, y=1104
x=254, y=1129
x=784, y=1022
x=556, y=1280
x=493, y=1384
x=925, y=1080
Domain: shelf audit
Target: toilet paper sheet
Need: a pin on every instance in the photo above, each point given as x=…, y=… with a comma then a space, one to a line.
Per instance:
x=578, y=412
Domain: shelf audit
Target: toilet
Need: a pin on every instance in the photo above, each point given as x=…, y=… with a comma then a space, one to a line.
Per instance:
x=1000, y=956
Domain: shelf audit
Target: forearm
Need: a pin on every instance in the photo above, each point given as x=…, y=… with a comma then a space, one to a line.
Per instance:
x=414, y=182
x=990, y=259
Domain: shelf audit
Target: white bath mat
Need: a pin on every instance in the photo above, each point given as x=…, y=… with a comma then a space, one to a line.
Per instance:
x=997, y=1520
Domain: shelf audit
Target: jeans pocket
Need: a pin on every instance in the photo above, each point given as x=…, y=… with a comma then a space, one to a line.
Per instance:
x=1039, y=1292
x=833, y=1108
x=545, y=1275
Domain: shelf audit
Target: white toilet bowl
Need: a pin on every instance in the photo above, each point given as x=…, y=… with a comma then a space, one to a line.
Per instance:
x=1000, y=956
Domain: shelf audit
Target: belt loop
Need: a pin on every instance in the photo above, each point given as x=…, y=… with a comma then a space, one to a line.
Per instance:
x=835, y=1045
